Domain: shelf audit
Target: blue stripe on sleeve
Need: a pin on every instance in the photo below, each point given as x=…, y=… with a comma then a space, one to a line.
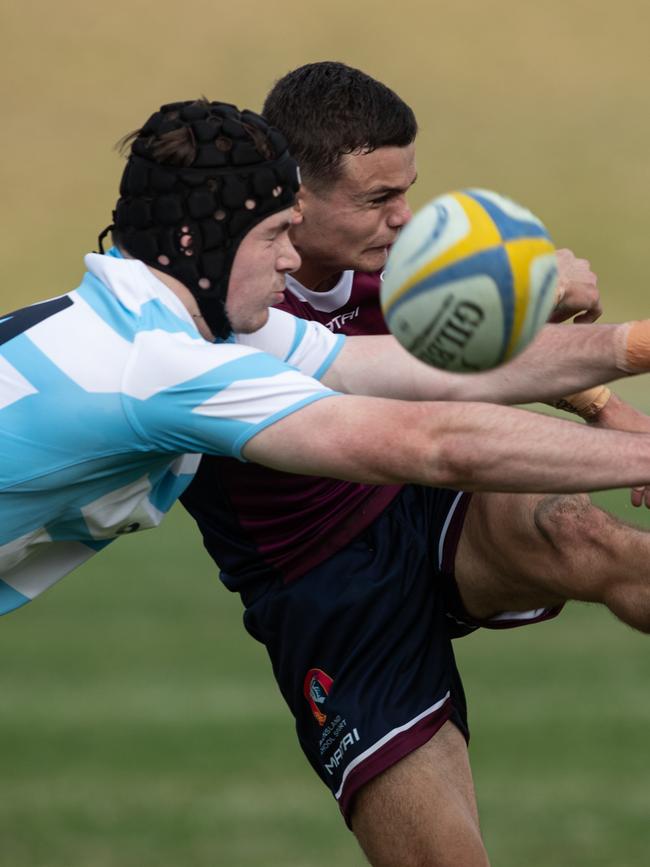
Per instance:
x=325, y=366
x=252, y=430
x=170, y=419
x=299, y=333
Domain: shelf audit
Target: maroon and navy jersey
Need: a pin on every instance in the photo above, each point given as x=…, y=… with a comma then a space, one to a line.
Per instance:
x=359, y=314
x=257, y=522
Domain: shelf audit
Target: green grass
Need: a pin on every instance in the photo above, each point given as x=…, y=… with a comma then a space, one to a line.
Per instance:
x=561, y=715
x=138, y=725
x=141, y=726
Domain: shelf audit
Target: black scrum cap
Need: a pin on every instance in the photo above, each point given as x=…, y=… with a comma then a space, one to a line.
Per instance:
x=238, y=173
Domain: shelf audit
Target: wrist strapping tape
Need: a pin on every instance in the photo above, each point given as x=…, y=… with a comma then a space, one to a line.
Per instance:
x=587, y=404
x=633, y=346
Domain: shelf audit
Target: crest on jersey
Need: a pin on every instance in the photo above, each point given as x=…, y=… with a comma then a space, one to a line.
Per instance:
x=316, y=689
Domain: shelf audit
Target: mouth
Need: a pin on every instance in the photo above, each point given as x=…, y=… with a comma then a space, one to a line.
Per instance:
x=376, y=248
x=382, y=250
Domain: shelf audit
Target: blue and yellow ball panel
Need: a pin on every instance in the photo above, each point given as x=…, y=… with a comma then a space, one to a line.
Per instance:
x=509, y=226
x=494, y=263
x=521, y=254
x=470, y=281
x=481, y=233
x=437, y=228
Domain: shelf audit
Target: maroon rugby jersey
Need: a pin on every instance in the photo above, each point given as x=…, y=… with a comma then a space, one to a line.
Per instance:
x=359, y=313
x=254, y=519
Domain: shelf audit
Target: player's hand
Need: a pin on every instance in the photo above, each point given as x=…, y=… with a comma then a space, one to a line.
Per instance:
x=640, y=497
x=617, y=414
x=577, y=290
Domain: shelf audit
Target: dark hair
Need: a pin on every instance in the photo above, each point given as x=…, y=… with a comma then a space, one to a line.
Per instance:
x=178, y=147
x=328, y=109
x=199, y=176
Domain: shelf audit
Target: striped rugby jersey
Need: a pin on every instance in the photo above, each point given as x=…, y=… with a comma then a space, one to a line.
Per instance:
x=107, y=394
x=259, y=523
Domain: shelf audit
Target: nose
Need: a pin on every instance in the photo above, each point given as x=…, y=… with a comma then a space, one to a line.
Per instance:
x=400, y=213
x=289, y=258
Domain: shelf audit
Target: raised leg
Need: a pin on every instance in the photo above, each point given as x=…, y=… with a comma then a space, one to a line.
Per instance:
x=524, y=551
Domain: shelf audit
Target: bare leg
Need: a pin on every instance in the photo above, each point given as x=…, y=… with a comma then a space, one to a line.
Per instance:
x=524, y=551
x=422, y=811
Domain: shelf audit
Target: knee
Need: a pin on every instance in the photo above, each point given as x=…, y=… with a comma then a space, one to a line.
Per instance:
x=563, y=519
x=591, y=554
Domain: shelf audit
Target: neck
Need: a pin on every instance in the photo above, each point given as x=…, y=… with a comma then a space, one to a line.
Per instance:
x=316, y=278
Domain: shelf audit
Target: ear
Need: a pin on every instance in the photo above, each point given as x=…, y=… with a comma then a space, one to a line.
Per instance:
x=306, y=198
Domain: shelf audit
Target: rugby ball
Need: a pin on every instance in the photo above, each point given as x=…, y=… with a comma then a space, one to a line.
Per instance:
x=470, y=281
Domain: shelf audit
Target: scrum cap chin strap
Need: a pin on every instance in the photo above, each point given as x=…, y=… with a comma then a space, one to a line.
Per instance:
x=240, y=173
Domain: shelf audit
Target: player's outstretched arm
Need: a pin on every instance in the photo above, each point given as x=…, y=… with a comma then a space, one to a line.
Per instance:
x=617, y=414
x=561, y=360
x=460, y=445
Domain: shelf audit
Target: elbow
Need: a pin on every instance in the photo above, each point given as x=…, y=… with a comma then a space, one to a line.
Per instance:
x=456, y=464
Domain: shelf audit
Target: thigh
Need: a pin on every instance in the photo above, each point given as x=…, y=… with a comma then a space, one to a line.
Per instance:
x=361, y=652
x=503, y=562
x=422, y=810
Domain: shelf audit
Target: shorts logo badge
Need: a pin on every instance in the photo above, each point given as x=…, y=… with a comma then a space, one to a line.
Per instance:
x=316, y=688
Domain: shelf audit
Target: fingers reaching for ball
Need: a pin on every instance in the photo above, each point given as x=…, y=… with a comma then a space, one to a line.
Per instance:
x=577, y=295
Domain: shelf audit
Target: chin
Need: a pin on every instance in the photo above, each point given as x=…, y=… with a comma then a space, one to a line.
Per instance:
x=369, y=262
x=251, y=325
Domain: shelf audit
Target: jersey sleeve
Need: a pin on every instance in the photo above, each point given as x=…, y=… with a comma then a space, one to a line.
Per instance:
x=309, y=346
x=184, y=394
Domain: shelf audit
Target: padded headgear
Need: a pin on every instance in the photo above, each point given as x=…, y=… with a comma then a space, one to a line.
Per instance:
x=222, y=172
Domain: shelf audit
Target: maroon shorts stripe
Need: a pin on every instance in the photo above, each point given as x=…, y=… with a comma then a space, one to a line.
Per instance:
x=389, y=751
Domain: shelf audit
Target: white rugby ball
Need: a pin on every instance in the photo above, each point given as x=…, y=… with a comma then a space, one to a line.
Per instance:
x=470, y=281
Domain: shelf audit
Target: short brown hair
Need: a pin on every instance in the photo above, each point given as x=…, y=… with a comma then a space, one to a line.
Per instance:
x=328, y=109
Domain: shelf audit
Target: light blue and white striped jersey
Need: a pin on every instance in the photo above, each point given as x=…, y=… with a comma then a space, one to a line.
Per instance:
x=107, y=397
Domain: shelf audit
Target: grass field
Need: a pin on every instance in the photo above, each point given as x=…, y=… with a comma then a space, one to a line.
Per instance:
x=140, y=726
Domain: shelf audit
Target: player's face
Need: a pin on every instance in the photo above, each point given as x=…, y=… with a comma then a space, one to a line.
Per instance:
x=353, y=223
x=257, y=276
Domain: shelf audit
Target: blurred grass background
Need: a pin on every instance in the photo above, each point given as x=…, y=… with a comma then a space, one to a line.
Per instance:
x=138, y=725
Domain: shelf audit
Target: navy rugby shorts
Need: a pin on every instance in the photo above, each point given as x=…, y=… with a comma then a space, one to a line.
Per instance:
x=361, y=646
